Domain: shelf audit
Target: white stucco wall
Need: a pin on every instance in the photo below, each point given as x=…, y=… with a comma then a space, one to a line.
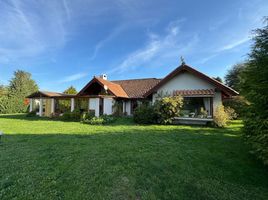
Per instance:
x=108, y=106
x=217, y=100
x=128, y=107
x=94, y=105
x=187, y=81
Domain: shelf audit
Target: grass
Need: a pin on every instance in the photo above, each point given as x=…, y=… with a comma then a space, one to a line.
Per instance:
x=45, y=159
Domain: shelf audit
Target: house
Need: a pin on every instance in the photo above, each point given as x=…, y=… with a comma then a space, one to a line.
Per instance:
x=101, y=96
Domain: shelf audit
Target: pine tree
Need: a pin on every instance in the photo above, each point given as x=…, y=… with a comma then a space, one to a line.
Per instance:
x=255, y=89
x=20, y=86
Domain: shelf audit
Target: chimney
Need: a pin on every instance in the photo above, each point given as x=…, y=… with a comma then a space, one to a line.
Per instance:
x=104, y=76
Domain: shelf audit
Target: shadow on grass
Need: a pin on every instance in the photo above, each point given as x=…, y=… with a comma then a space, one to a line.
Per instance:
x=118, y=121
x=165, y=164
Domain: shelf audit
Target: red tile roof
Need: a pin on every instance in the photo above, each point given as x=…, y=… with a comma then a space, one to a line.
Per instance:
x=203, y=92
x=142, y=88
x=136, y=88
x=114, y=88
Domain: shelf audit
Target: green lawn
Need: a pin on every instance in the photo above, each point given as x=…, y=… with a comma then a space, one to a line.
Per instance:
x=44, y=159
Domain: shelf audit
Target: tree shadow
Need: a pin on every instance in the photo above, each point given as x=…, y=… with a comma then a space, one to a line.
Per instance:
x=142, y=161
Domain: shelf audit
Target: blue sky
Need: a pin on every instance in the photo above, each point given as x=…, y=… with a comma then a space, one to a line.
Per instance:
x=66, y=42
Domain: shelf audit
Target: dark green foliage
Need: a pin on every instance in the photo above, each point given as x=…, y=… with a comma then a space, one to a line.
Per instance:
x=65, y=105
x=167, y=108
x=20, y=86
x=81, y=104
x=118, y=108
x=255, y=89
x=162, y=111
x=239, y=104
x=218, y=79
x=104, y=119
x=71, y=116
x=87, y=115
x=233, y=77
x=31, y=114
x=145, y=114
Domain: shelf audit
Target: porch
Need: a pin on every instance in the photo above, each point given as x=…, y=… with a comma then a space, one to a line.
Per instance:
x=55, y=104
x=197, y=106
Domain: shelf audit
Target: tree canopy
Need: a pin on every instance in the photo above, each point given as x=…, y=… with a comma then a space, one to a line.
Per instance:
x=218, y=79
x=233, y=76
x=70, y=90
x=20, y=86
x=255, y=89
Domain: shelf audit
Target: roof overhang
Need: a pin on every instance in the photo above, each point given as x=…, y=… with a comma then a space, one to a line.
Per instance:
x=43, y=94
x=194, y=93
x=113, y=88
x=182, y=68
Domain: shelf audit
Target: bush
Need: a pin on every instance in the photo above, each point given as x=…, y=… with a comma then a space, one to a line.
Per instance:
x=87, y=115
x=145, y=114
x=31, y=114
x=230, y=113
x=254, y=88
x=104, y=119
x=71, y=116
x=220, y=116
x=239, y=104
x=256, y=134
x=167, y=108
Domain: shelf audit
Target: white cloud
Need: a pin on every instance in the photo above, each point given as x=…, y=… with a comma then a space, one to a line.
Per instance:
x=73, y=77
x=101, y=43
x=29, y=29
x=234, y=44
x=168, y=46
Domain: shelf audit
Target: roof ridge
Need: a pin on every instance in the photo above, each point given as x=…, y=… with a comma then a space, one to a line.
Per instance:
x=137, y=79
x=50, y=91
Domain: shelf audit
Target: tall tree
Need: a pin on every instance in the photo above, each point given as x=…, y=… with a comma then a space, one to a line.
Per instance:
x=20, y=86
x=233, y=76
x=70, y=90
x=218, y=79
x=255, y=89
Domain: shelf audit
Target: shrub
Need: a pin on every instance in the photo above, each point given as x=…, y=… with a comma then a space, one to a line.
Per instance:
x=87, y=115
x=71, y=116
x=94, y=121
x=118, y=108
x=220, y=116
x=31, y=114
x=167, y=108
x=254, y=88
x=104, y=119
x=256, y=134
x=145, y=114
x=239, y=104
x=108, y=119
x=230, y=113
